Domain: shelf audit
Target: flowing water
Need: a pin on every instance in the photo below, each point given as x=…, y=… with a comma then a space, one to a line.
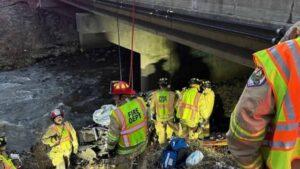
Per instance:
x=80, y=82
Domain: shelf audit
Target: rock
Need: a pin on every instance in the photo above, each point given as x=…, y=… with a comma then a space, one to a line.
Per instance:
x=87, y=153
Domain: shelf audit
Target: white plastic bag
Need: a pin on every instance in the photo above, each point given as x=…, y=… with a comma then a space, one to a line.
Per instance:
x=102, y=115
x=195, y=158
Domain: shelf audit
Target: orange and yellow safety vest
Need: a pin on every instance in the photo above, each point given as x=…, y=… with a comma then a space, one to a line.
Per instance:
x=132, y=117
x=188, y=107
x=8, y=164
x=281, y=65
x=164, y=105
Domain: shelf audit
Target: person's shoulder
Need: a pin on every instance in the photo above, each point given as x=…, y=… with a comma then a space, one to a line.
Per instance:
x=257, y=78
x=67, y=123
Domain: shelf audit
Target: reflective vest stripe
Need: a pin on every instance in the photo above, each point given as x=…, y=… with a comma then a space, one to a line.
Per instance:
x=135, y=128
x=125, y=132
x=291, y=50
x=63, y=139
x=122, y=120
x=189, y=106
x=196, y=102
x=294, y=47
x=126, y=140
x=279, y=145
x=287, y=127
x=273, y=52
x=8, y=164
x=142, y=107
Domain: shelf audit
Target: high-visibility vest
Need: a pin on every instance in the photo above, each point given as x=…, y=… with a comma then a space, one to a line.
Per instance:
x=188, y=107
x=164, y=105
x=8, y=164
x=281, y=65
x=132, y=117
x=63, y=132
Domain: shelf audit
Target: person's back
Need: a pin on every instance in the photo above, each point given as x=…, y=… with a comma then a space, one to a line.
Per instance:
x=162, y=103
x=188, y=107
x=265, y=124
x=132, y=120
x=162, y=108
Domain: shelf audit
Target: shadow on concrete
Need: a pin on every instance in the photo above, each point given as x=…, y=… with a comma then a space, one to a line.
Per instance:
x=190, y=66
x=152, y=79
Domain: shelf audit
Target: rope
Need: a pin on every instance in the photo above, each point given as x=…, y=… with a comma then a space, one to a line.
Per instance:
x=132, y=43
x=119, y=48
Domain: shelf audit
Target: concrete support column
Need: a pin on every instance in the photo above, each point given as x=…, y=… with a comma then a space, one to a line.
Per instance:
x=157, y=53
x=91, y=31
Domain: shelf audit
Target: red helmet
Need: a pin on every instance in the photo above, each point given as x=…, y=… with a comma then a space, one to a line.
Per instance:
x=56, y=112
x=121, y=87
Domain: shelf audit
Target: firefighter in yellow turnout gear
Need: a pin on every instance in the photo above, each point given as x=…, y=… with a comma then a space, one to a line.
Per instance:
x=62, y=139
x=194, y=109
x=5, y=162
x=128, y=125
x=162, y=109
x=207, y=101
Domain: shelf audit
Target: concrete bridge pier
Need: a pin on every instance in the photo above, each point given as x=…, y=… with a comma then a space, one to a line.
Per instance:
x=157, y=54
x=91, y=31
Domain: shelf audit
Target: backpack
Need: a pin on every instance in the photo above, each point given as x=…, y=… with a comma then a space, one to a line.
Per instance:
x=172, y=154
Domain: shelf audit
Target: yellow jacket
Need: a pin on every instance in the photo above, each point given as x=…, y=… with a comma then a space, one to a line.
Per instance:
x=6, y=162
x=207, y=100
x=62, y=139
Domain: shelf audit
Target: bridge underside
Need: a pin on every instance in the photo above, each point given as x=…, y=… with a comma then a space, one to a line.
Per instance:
x=157, y=33
x=228, y=40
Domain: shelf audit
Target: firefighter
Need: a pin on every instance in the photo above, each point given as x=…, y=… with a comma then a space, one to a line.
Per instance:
x=127, y=136
x=207, y=100
x=162, y=109
x=5, y=161
x=62, y=139
x=188, y=110
x=264, y=126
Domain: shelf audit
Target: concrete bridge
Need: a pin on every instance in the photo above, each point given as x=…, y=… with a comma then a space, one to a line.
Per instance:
x=230, y=29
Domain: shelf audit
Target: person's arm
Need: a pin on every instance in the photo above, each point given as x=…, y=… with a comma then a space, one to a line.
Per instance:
x=207, y=101
x=152, y=108
x=50, y=138
x=249, y=121
x=114, y=131
x=74, y=137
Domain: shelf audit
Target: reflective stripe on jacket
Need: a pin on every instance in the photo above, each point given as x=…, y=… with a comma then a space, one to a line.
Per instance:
x=132, y=117
x=8, y=164
x=281, y=66
x=188, y=110
x=163, y=104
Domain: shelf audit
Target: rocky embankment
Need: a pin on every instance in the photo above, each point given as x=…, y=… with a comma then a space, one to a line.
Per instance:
x=27, y=35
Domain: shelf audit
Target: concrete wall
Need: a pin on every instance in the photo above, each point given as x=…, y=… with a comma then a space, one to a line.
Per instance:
x=278, y=12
